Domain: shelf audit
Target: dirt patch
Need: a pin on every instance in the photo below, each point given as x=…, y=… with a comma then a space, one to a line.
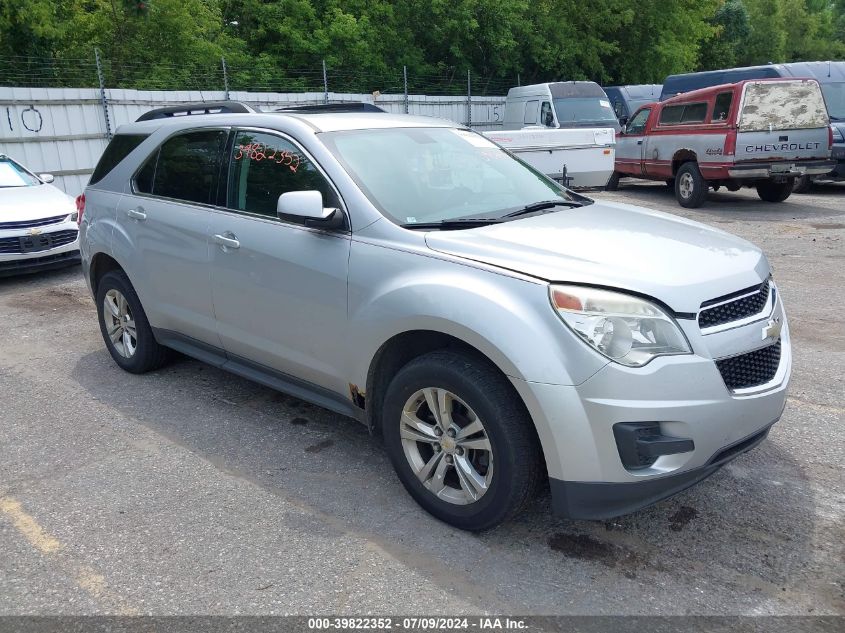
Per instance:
x=319, y=446
x=54, y=299
x=823, y=227
x=681, y=518
x=586, y=547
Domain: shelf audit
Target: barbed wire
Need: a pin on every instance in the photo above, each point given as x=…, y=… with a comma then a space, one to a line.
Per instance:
x=47, y=72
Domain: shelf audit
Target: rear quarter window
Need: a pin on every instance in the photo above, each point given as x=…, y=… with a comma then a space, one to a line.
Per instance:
x=684, y=113
x=118, y=149
x=782, y=105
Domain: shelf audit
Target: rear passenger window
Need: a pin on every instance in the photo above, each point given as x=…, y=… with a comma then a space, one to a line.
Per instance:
x=263, y=167
x=694, y=113
x=671, y=115
x=186, y=167
x=118, y=149
x=686, y=113
x=722, y=106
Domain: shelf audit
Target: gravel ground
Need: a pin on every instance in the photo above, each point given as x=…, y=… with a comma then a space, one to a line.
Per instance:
x=190, y=491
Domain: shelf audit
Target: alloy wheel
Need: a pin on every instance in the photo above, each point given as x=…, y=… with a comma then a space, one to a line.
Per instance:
x=120, y=324
x=446, y=446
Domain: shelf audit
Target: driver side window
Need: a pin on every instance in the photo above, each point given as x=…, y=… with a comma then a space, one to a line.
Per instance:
x=637, y=124
x=263, y=167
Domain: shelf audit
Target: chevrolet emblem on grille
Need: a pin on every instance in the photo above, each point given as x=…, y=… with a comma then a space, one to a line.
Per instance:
x=35, y=231
x=772, y=329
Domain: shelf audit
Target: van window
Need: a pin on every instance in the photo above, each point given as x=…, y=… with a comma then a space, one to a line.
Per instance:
x=186, y=167
x=118, y=149
x=263, y=167
x=531, y=108
x=782, y=105
x=585, y=111
x=722, y=107
x=546, y=116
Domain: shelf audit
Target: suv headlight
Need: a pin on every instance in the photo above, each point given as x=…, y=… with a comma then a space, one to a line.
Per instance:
x=628, y=330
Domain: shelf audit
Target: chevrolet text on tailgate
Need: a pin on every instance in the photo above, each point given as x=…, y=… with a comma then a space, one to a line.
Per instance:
x=494, y=327
x=760, y=133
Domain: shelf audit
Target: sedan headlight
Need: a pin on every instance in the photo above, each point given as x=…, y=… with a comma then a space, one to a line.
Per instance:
x=628, y=330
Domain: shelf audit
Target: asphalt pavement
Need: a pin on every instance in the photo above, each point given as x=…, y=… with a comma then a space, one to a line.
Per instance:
x=192, y=491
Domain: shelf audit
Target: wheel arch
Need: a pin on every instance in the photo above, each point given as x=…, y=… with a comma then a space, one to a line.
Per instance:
x=684, y=155
x=399, y=350
x=101, y=263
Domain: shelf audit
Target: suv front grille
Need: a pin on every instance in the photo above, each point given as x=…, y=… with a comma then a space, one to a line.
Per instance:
x=751, y=369
x=28, y=224
x=741, y=308
x=12, y=245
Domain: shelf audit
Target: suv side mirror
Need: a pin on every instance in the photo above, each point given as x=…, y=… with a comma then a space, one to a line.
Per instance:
x=308, y=207
x=46, y=178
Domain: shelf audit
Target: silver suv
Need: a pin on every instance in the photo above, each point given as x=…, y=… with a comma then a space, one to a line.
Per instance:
x=496, y=328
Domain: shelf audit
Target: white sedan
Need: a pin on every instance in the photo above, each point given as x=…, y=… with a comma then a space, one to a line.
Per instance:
x=38, y=222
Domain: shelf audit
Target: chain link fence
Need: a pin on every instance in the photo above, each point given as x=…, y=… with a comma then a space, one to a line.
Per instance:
x=48, y=72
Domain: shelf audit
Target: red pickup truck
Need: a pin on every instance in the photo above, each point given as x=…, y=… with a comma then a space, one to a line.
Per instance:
x=759, y=133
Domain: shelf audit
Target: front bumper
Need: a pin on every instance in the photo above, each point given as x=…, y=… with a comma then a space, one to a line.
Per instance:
x=66, y=254
x=788, y=169
x=685, y=395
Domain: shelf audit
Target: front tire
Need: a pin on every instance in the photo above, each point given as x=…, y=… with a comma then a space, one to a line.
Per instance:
x=771, y=191
x=124, y=326
x=460, y=440
x=690, y=186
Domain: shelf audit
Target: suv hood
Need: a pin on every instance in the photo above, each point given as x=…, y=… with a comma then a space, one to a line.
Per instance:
x=33, y=203
x=676, y=261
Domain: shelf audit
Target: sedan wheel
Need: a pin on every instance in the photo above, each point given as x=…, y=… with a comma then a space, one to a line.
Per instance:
x=446, y=446
x=120, y=325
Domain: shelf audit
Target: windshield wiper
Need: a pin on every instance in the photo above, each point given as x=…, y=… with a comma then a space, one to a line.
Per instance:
x=541, y=206
x=456, y=223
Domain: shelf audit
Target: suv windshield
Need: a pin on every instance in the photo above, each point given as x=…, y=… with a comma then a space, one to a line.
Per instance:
x=13, y=175
x=422, y=175
x=584, y=111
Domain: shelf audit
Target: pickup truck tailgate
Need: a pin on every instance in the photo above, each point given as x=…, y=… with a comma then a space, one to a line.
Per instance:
x=782, y=121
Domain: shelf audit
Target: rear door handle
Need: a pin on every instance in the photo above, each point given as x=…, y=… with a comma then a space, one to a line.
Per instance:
x=137, y=214
x=227, y=241
x=639, y=142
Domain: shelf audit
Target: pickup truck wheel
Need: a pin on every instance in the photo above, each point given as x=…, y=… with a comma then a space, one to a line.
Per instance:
x=690, y=186
x=613, y=182
x=803, y=184
x=124, y=326
x=771, y=191
x=461, y=441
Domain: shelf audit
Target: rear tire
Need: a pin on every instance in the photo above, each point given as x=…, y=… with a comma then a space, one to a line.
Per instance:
x=690, y=186
x=771, y=191
x=803, y=184
x=613, y=182
x=124, y=326
x=503, y=448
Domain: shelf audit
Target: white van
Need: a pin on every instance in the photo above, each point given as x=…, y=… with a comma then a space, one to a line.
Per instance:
x=564, y=129
x=561, y=104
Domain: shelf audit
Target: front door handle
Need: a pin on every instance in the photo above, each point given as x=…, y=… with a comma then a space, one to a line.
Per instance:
x=639, y=142
x=137, y=214
x=227, y=241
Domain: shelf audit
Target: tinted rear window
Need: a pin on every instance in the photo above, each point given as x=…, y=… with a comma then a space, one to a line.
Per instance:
x=116, y=151
x=686, y=113
x=186, y=167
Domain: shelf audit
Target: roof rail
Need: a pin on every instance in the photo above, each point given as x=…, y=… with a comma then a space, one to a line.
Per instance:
x=350, y=106
x=205, y=107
